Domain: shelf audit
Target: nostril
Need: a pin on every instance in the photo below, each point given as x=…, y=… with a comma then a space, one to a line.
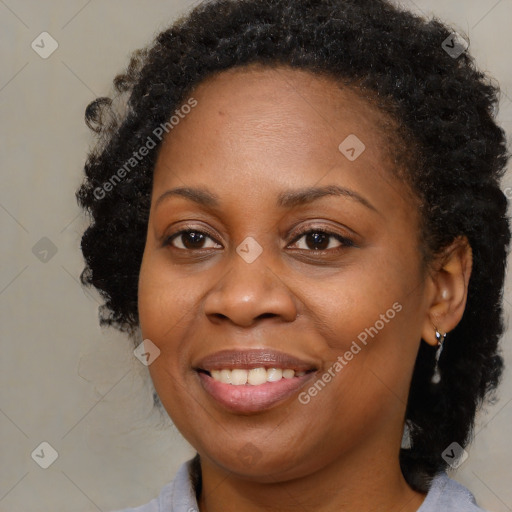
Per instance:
x=267, y=315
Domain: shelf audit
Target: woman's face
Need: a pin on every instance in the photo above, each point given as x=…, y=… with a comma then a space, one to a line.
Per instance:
x=300, y=261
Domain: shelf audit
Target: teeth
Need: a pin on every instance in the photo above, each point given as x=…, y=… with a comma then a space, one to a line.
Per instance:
x=274, y=374
x=288, y=374
x=238, y=377
x=257, y=376
x=254, y=377
x=225, y=376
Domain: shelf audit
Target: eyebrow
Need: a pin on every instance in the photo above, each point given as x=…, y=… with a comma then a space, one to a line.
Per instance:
x=289, y=199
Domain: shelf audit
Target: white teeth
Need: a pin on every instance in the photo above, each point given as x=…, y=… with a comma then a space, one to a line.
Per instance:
x=254, y=377
x=225, y=376
x=239, y=377
x=274, y=374
x=257, y=376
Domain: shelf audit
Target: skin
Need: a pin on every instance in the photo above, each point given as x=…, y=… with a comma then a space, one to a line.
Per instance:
x=255, y=133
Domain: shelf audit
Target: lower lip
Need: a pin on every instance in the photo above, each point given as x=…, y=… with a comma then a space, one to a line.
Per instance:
x=247, y=398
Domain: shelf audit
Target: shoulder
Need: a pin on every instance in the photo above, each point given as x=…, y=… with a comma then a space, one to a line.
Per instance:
x=179, y=494
x=448, y=495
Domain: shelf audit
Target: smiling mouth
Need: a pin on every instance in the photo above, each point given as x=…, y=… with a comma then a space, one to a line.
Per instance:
x=247, y=393
x=252, y=381
x=254, y=376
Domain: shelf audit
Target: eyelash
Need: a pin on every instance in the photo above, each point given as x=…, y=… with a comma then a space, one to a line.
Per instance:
x=344, y=241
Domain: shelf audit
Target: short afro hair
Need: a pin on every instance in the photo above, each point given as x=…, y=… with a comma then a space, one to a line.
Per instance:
x=445, y=109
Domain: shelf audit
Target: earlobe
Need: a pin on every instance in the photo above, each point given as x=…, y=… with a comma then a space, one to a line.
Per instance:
x=449, y=284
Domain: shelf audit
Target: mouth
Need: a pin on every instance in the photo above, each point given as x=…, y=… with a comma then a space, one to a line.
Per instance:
x=252, y=381
x=253, y=377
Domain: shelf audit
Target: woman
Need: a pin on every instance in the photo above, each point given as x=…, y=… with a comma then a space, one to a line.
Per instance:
x=297, y=203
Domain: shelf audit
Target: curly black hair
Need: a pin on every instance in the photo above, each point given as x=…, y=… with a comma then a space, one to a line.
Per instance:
x=453, y=152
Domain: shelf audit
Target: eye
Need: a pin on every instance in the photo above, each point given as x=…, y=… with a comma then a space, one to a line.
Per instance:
x=321, y=240
x=308, y=239
x=192, y=239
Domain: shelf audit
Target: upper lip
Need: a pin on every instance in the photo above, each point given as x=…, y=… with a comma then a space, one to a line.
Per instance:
x=249, y=359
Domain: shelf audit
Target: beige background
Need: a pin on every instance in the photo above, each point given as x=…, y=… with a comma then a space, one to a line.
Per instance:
x=63, y=380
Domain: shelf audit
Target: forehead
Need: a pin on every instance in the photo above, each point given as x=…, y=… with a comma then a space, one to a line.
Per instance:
x=285, y=101
x=276, y=124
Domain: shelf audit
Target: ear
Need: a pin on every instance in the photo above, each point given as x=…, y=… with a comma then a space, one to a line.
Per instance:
x=449, y=279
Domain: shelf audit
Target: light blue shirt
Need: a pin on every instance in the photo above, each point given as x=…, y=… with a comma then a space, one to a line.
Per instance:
x=445, y=495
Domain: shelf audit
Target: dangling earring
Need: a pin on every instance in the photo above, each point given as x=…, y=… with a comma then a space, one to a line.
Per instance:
x=436, y=378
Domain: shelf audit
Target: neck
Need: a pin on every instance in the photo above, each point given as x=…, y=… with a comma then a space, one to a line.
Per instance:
x=369, y=480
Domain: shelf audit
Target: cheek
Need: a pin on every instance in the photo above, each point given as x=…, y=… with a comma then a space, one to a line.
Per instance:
x=369, y=358
x=164, y=309
x=371, y=319
x=163, y=298
x=165, y=317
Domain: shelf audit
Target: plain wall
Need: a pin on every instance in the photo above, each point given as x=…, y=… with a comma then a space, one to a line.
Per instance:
x=62, y=379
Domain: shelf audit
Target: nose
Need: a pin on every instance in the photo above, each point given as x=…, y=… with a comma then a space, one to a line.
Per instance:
x=248, y=293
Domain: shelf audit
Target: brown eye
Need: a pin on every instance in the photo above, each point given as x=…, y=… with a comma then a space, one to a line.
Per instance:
x=191, y=240
x=317, y=241
x=320, y=240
